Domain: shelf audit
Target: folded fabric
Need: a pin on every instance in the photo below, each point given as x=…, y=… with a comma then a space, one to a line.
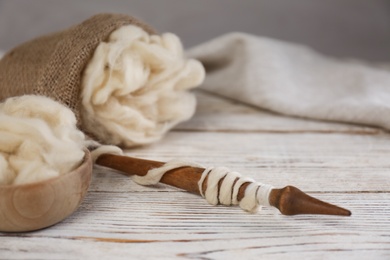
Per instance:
x=295, y=80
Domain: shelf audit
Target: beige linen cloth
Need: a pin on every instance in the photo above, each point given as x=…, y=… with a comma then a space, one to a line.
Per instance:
x=295, y=80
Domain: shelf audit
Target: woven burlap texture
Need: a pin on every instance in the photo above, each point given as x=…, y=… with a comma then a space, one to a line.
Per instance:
x=52, y=65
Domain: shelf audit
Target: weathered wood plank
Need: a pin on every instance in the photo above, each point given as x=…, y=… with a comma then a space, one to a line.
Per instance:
x=154, y=225
x=322, y=246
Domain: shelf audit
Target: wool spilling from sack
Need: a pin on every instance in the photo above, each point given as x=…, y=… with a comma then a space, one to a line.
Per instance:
x=38, y=140
x=135, y=88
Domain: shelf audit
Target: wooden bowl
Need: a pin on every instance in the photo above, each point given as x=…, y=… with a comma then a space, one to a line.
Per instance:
x=38, y=205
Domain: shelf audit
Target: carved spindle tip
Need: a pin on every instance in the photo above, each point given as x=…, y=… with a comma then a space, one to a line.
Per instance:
x=292, y=201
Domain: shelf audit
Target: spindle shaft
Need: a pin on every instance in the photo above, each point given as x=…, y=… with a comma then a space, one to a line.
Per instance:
x=289, y=200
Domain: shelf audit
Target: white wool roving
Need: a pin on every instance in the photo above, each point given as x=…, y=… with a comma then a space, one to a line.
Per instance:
x=135, y=88
x=38, y=140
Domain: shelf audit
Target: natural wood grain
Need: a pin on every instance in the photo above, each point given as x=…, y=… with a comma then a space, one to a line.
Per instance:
x=168, y=224
x=122, y=220
x=38, y=205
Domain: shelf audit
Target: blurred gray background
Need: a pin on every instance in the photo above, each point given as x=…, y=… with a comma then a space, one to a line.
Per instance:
x=344, y=28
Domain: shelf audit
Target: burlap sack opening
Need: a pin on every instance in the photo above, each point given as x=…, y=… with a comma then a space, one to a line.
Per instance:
x=52, y=65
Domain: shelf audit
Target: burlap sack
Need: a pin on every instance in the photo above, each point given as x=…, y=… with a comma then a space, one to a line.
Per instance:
x=52, y=65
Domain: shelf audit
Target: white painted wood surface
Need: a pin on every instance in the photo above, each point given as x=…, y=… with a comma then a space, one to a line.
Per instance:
x=343, y=164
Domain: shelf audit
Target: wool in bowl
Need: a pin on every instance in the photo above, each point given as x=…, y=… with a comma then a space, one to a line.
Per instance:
x=38, y=140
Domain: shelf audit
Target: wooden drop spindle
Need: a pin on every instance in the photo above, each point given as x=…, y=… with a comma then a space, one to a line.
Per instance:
x=289, y=200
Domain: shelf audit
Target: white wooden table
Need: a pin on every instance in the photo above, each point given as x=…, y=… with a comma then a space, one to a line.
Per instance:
x=343, y=164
